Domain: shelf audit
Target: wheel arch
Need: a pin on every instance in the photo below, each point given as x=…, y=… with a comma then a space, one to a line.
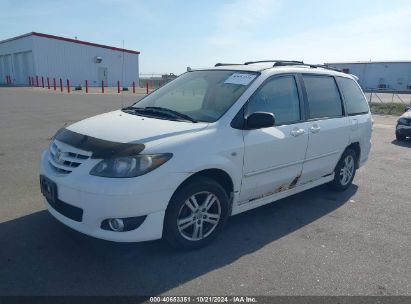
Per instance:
x=218, y=175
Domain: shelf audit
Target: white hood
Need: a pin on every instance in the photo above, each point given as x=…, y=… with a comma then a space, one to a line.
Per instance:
x=118, y=126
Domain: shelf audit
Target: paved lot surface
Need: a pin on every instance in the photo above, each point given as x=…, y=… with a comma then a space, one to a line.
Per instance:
x=314, y=243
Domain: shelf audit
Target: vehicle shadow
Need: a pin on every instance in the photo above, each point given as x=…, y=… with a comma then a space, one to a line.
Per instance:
x=402, y=143
x=40, y=256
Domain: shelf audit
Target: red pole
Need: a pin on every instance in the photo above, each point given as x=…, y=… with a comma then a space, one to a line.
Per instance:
x=134, y=87
x=37, y=81
x=61, y=85
x=86, y=87
x=102, y=87
x=147, y=87
x=118, y=86
x=42, y=81
x=68, y=86
x=48, y=83
x=54, y=83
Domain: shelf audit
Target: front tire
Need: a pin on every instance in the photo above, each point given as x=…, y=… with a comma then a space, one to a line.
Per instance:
x=196, y=214
x=344, y=171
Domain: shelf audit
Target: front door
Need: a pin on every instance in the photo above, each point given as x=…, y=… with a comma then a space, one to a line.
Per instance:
x=273, y=157
x=102, y=75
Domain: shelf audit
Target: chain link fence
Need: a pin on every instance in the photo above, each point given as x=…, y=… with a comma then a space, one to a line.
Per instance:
x=388, y=102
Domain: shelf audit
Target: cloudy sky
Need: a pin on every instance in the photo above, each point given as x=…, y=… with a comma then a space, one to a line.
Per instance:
x=172, y=34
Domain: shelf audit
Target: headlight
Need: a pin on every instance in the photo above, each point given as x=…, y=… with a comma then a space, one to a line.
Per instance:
x=402, y=121
x=129, y=166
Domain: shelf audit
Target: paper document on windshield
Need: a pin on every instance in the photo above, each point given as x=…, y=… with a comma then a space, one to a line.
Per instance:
x=240, y=78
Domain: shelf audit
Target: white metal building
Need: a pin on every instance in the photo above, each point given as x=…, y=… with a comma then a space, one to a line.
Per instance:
x=391, y=75
x=35, y=54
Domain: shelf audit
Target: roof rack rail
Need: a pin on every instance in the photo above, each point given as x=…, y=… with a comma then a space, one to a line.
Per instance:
x=327, y=67
x=276, y=62
x=224, y=64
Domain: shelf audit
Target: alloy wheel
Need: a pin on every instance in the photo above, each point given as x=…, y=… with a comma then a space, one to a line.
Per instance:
x=199, y=216
x=347, y=170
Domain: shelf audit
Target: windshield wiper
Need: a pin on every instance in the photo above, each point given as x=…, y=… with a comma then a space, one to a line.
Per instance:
x=172, y=112
x=160, y=110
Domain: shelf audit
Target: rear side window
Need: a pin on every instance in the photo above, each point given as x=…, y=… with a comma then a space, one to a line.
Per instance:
x=354, y=99
x=278, y=96
x=324, y=100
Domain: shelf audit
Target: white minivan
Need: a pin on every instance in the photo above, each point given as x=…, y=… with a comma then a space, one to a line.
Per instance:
x=212, y=143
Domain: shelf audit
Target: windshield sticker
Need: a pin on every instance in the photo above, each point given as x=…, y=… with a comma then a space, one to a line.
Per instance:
x=240, y=78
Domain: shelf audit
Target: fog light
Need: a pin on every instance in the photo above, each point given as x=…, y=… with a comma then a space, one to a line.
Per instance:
x=122, y=224
x=116, y=224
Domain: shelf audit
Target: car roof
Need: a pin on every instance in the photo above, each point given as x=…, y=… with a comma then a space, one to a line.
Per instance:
x=269, y=68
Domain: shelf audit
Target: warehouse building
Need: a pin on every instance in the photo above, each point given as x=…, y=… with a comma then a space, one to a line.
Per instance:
x=36, y=56
x=379, y=75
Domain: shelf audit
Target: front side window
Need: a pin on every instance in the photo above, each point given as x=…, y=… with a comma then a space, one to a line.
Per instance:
x=201, y=95
x=354, y=99
x=324, y=100
x=278, y=96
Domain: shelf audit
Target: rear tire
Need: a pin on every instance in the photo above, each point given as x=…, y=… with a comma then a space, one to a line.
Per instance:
x=344, y=171
x=196, y=214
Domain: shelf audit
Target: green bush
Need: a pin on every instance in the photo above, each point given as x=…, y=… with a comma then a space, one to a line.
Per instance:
x=394, y=108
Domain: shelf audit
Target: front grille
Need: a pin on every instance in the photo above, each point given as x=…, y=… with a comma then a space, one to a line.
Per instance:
x=64, y=158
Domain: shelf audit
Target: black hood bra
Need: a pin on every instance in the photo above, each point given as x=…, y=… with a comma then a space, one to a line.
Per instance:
x=99, y=147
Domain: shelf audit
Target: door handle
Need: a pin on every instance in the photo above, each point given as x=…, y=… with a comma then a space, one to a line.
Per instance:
x=297, y=132
x=315, y=129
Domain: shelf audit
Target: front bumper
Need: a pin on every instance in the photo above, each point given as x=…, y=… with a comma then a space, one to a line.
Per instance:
x=103, y=198
x=404, y=130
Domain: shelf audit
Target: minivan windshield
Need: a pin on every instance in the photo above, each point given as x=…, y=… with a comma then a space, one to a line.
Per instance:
x=198, y=95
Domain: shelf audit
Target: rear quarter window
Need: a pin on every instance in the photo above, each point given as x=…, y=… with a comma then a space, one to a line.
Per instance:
x=355, y=102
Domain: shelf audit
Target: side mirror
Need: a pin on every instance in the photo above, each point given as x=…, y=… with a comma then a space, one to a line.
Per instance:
x=259, y=120
x=407, y=109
